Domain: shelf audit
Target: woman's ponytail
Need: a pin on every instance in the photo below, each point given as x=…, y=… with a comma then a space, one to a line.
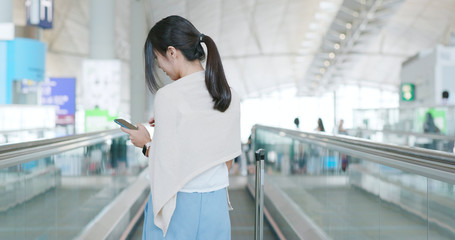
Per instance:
x=215, y=80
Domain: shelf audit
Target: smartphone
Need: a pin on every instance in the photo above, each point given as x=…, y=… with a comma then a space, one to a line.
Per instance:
x=125, y=124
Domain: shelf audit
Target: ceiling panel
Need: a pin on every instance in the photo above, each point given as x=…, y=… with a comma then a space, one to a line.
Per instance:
x=268, y=44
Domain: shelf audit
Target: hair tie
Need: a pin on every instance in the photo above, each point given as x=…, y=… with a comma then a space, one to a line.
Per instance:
x=200, y=37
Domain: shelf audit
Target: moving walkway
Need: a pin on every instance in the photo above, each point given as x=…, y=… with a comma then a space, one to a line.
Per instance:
x=317, y=186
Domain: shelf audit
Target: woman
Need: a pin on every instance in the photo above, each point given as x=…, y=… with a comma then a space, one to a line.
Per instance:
x=320, y=127
x=341, y=129
x=430, y=127
x=197, y=134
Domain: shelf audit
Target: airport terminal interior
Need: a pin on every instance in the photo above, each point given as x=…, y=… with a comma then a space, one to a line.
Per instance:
x=352, y=101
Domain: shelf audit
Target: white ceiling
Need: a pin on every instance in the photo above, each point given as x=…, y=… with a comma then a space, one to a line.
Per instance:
x=258, y=40
x=417, y=25
x=267, y=45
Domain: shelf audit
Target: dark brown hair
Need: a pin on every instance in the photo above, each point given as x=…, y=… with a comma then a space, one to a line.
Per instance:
x=178, y=32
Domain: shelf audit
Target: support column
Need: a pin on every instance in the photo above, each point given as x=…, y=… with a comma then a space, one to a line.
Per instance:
x=138, y=90
x=6, y=11
x=6, y=20
x=335, y=126
x=102, y=29
x=102, y=73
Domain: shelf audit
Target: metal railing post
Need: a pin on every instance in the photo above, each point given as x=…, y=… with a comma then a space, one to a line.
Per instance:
x=259, y=195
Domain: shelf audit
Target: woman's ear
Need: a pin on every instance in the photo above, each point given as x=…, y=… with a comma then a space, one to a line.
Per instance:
x=171, y=52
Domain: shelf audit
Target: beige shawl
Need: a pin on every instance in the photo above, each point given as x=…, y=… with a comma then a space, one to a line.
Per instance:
x=189, y=138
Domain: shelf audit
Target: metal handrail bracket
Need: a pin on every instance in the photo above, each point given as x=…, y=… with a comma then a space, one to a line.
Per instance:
x=259, y=195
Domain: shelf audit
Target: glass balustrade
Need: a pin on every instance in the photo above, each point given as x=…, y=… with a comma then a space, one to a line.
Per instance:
x=423, y=127
x=56, y=197
x=347, y=195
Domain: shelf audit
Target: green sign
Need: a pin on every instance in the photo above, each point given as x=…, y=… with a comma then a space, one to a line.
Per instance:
x=407, y=92
x=97, y=120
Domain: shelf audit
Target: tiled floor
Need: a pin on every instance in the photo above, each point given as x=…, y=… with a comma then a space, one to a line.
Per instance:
x=59, y=213
x=242, y=217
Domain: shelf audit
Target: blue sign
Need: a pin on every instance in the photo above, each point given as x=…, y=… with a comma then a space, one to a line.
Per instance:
x=26, y=59
x=40, y=13
x=60, y=92
x=21, y=58
x=4, y=90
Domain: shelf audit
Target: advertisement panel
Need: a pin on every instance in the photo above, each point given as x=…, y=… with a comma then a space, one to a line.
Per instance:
x=101, y=81
x=60, y=92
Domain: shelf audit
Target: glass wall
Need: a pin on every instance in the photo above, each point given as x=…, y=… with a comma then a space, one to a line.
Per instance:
x=406, y=119
x=345, y=196
x=57, y=196
x=423, y=127
x=21, y=123
x=286, y=106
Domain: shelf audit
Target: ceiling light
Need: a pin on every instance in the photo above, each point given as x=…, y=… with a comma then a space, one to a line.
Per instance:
x=321, y=16
x=300, y=59
x=311, y=35
x=342, y=36
x=326, y=63
x=307, y=44
x=322, y=70
x=304, y=51
x=318, y=77
x=314, y=26
x=331, y=55
x=336, y=46
x=330, y=6
x=348, y=25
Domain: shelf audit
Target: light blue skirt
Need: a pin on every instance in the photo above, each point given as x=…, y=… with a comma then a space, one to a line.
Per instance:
x=196, y=216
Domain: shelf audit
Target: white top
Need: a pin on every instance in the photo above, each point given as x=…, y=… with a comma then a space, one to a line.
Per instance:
x=211, y=180
x=190, y=137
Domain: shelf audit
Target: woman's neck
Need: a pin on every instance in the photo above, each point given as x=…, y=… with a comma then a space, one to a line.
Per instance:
x=191, y=67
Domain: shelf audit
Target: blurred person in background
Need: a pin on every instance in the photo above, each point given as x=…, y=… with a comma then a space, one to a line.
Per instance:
x=344, y=157
x=320, y=127
x=430, y=127
x=445, y=97
x=297, y=122
x=341, y=129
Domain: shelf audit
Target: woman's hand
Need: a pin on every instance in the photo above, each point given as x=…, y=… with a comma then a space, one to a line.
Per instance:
x=152, y=122
x=138, y=137
x=229, y=164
